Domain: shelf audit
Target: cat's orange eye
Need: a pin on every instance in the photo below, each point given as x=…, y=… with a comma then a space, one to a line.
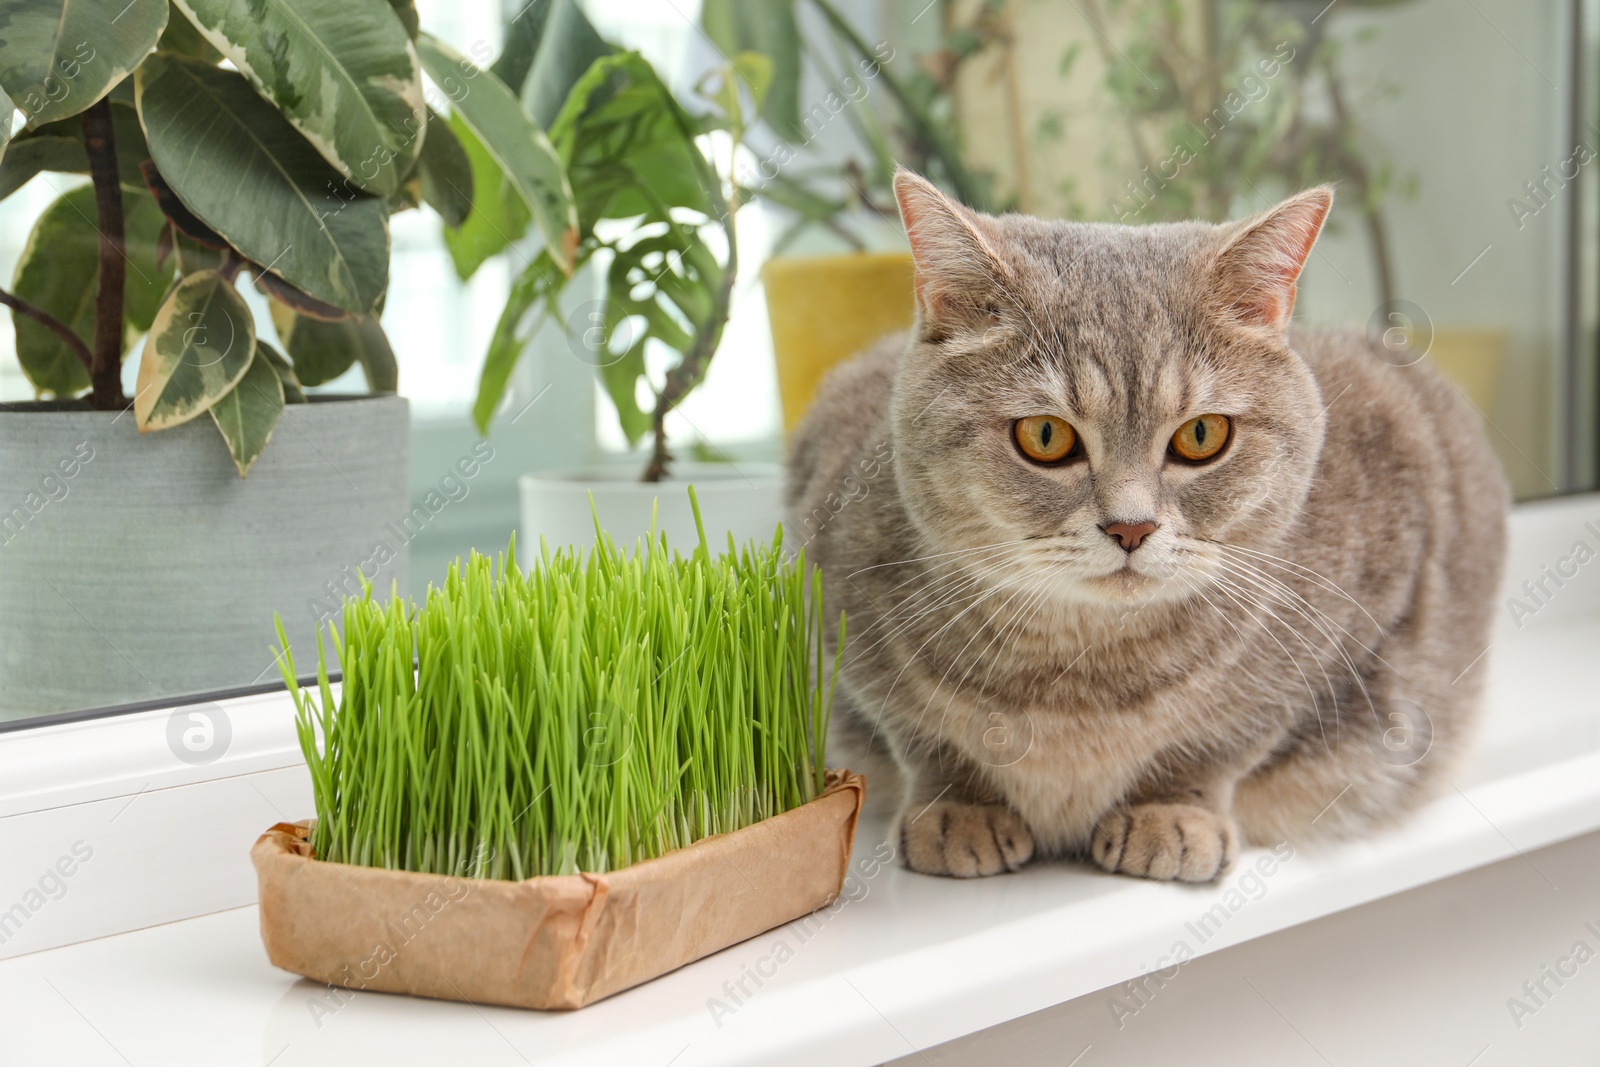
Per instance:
x=1045, y=438
x=1201, y=438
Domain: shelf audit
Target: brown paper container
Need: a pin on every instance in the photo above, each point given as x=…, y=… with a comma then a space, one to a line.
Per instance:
x=551, y=942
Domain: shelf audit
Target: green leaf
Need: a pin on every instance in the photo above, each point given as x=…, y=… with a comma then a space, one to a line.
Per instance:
x=57, y=57
x=375, y=354
x=182, y=38
x=250, y=411
x=57, y=273
x=321, y=351
x=445, y=172
x=522, y=42
x=58, y=146
x=27, y=157
x=193, y=256
x=317, y=356
x=621, y=381
x=528, y=305
x=200, y=346
x=292, y=392
x=665, y=282
x=8, y=114
x=288, y=295
x=768, y=28
x=406, y=12
x=498, y=215
x=244, y=171
x=627, y=144
x=177, y=212
x=567, y=48
x=518, y=145
x=343, y=72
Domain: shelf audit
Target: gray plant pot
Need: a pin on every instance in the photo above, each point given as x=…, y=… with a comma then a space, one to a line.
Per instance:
x=143, y=567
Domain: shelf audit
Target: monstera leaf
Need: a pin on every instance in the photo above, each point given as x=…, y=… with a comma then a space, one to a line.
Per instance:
x=343, y=72
x=766, y=27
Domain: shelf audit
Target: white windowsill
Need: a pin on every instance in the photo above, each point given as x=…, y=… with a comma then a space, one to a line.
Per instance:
x=910, y=963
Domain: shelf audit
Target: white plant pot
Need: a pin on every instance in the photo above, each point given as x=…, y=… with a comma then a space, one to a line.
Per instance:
x=744, y=499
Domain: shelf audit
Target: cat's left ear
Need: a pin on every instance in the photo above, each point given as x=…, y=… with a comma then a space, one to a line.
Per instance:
x=1257, y=271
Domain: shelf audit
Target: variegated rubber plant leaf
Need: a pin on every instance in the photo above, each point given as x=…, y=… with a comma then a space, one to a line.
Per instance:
x=57, y=57
x=343, y=72
x=199, y=347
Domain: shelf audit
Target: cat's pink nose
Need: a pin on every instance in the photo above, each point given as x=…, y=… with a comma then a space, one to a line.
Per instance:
x=1129, y=534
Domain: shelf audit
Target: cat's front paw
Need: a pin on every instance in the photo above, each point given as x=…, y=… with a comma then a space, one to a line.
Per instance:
x=965, y=840
x=1166, y=842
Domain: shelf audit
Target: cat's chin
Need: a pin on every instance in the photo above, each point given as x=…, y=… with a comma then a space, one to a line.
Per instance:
x=1125, y=586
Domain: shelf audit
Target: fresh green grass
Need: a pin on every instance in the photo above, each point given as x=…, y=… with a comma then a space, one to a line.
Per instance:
x=599, y=709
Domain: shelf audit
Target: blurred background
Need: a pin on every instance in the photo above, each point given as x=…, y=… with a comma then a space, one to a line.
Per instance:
x=1460, y=134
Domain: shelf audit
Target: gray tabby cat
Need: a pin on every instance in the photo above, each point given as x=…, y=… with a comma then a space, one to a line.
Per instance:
x=1132, y=568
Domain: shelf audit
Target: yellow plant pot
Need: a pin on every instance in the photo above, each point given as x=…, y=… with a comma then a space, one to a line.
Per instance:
x=825, y=309
x=1471, y=359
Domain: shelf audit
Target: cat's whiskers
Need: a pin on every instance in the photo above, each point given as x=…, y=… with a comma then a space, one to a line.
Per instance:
x=1020, y=621
x=1035, y=593
x=1315, y=616
x=932, y=577
x=1254, y=595
x=944, y=714
x=978, y=561
x=936, y=587
x=917, y=652
x=902, y=617
x=1290, y=565
x=937, y=555
x=979, y=598
x=1284, y=590
x=1244, y=599
x=1257, y=677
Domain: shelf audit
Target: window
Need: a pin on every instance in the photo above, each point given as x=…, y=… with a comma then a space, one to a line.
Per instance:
x=1469, y=131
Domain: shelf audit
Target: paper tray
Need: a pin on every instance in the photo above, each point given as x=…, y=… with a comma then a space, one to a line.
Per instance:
x=551, y=942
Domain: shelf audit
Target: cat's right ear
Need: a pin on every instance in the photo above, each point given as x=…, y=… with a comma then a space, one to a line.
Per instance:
x=958, y=273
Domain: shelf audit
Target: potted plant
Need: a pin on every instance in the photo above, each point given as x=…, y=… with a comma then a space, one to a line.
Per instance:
x=598, y=770
x=1175, y=69
x=656, y=245
x=826, y=308
x=147, y=537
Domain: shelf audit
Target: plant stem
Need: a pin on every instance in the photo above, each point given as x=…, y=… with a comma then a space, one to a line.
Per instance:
x=1095, y=17
x=1015, y=129
x=688, y=371
x=232, y=263
x=105, y=370
x=1361, y=177
x=961, y=180
x=51, y=323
